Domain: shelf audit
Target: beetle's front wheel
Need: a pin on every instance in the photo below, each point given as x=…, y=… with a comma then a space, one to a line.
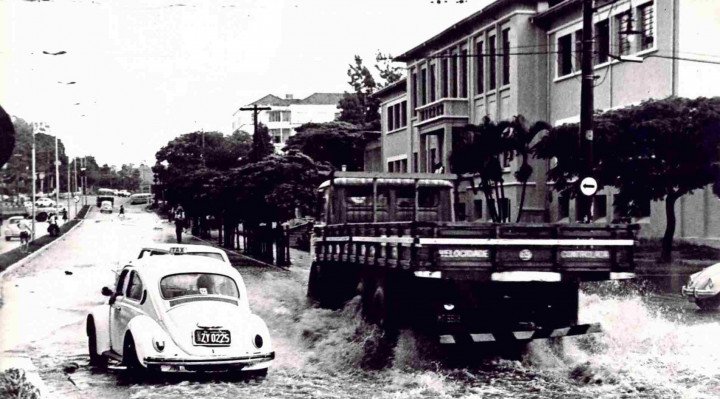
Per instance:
x=130, y=358
x=712, y=303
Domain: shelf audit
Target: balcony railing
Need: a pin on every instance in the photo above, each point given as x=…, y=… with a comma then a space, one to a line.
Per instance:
x=444, y=107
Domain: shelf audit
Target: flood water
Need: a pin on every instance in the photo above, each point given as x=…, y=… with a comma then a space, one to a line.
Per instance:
x=655, y=345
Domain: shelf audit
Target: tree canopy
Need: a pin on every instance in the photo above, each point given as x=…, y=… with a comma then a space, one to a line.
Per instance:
x=336, y=143
x=660, y=149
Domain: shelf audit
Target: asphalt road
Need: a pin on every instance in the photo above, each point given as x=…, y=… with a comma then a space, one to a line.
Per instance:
x=655, y=345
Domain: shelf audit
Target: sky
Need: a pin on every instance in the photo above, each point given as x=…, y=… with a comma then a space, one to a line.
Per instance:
x=147, y=71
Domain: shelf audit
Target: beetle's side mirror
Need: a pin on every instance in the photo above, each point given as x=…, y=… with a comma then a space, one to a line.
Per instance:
x=106, y=291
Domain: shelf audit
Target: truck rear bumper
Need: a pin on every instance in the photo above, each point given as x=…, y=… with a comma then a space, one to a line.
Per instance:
x=527, y=335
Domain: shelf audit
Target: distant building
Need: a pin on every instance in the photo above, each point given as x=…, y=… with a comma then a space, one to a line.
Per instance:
x=523, y=57
x=288, y=113
x=146, y=178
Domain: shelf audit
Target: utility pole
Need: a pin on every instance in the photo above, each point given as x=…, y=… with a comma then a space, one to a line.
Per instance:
x=587, y=105
x=69, y=185
x=255, y=110
x=34, y=181
x=57, y=173
x=76, y=180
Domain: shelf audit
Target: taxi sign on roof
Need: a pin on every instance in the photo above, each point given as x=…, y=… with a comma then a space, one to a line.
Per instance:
x=177, y=250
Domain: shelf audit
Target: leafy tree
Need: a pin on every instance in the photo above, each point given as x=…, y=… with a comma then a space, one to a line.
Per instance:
x=389, y=71
x=359, y=107
x=261, y=144
x=336, y=143
x=660, y=149
x=7, y=137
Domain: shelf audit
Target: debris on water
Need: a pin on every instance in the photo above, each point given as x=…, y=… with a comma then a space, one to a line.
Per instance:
x=70, y=367
x=68, y=272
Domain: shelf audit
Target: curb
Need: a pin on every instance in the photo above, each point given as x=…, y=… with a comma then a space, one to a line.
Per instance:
x=36, y=253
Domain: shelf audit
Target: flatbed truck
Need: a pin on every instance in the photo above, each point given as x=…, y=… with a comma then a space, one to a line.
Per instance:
x=393, y=239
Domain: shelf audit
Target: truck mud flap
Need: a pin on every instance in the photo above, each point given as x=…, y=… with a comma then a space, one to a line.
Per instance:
x=527, y=335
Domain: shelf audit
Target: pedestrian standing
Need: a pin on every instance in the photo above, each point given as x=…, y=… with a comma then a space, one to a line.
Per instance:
x=24, y=234
x=179, y=217
x=64, y=215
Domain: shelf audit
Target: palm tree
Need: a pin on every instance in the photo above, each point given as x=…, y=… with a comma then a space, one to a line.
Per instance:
x=520, y=138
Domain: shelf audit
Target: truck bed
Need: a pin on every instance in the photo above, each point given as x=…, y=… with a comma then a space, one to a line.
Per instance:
x=483, y=251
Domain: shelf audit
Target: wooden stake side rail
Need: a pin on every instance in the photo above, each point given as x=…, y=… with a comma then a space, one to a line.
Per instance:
x=490, y=247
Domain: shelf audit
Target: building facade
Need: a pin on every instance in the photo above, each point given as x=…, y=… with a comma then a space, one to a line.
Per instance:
x=288, y=113
x=523, y=57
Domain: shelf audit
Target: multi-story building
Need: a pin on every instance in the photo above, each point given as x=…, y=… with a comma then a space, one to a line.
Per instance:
x=523, y=57
x=288, y=113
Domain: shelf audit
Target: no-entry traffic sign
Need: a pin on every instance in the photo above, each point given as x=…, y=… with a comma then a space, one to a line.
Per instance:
x=588, y=186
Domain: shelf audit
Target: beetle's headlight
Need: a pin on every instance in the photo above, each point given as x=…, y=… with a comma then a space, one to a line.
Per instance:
x=258, y=341
x=158, y=344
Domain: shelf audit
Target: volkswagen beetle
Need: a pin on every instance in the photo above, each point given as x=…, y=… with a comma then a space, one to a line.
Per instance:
x=703, y=288
x=171, y=313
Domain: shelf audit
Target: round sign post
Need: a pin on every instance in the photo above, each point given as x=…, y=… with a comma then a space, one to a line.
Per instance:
x=588, y=186
x=76, y=199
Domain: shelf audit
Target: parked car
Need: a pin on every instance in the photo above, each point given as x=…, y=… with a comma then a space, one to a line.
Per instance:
x=106, y=207
x=176, y=313
x=159, y=248
x=13, y=229
x=44, y=203
x=703, y=288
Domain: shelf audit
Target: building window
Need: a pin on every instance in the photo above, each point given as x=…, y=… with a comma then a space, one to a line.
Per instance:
x=398, y=166
x=276, y=135
x=390, y=119
x=506, y=57
x=507, y=158
x=423, y=86
x=624, y=24
x=504, y=208
x=432, y=83
x=577, y=59
x=602, y=41
x=493, y=63
x=416, y=165
x=564, y=49
x=414, y=97
x=647, y=20
x=403, y=165
x=463, y=73
x=563, y=206
x=479, y=68
x=396, y=116
x=274, y=116
x=444, y=76
x=478, y=205
x=285, y=133
x=453, y=74
x=599, y=206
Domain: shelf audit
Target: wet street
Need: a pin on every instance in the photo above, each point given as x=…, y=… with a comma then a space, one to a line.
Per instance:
x=655, y=344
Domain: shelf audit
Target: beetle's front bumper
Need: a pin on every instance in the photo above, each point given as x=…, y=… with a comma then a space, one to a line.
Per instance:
x=698, y=293
x=213, y=363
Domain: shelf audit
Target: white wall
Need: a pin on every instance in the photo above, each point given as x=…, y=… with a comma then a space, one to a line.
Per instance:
x=699, y=23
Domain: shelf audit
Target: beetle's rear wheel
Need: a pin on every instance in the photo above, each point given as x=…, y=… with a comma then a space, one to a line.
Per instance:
x=96, y=360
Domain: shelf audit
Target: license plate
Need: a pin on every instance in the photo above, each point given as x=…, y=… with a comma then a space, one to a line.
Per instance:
x=212, y=337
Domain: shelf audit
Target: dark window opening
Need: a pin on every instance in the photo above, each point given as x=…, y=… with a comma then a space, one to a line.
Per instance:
x=602, y=41
x=506, y=57
x=479, y=71
x=493, y=64
x=564, y=55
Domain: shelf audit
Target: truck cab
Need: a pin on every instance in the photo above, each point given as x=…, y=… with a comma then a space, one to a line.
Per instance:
x=393, y=239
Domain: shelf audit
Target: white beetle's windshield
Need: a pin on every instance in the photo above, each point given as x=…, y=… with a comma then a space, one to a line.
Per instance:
x=180, y=285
